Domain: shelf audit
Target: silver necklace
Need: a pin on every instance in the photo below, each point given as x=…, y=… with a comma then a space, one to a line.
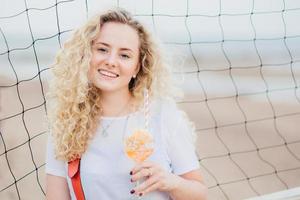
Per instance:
x=104, y=131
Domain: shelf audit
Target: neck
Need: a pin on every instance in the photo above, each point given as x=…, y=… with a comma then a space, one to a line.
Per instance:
x=116, y=104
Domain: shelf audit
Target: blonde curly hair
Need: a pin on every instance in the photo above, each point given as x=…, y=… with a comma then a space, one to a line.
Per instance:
x=75, y=104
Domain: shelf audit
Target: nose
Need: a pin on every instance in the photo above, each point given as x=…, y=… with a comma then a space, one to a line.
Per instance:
x=111, y=60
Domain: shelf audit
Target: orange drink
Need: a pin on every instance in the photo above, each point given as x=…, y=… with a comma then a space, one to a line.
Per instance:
x=138, y=146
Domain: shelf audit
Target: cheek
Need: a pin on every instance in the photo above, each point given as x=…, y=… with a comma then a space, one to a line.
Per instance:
x=130, y=71
x=96, y=58
x=132, y=68
x=92, y=70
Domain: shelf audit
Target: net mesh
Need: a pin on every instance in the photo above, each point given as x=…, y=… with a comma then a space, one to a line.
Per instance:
x=240, y=73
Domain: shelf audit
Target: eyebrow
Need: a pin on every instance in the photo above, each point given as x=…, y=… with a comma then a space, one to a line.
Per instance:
x=123, y=48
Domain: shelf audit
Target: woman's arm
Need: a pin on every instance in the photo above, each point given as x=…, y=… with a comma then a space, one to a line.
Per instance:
x=189, y=186
x=57, y=188
x=186, y=186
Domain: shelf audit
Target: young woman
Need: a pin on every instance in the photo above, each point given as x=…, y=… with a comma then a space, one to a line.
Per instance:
x=97, y=98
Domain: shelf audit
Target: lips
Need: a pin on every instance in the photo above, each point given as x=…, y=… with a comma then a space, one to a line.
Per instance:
x=107, y=73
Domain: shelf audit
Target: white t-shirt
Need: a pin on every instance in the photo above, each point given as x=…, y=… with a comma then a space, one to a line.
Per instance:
x=105, y=167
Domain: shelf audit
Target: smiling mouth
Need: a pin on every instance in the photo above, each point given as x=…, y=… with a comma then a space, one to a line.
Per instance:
x=107, y=73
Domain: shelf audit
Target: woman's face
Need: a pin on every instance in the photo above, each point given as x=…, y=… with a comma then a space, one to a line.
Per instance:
x=115, y=57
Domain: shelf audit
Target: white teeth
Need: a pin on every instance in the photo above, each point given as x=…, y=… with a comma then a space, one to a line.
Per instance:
x=107, y=73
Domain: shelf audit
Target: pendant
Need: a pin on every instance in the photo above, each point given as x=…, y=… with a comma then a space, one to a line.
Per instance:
x=104, y=133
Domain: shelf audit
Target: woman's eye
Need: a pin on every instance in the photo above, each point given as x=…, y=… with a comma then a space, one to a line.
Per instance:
x=125, y=56
x=102, y=50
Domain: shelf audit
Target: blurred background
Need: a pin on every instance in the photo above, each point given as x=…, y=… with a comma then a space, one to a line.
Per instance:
x=237, y=61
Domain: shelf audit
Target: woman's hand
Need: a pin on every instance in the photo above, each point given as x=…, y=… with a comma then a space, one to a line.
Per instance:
x=156, y=178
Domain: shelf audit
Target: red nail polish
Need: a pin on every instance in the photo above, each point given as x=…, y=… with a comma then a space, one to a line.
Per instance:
x=131, y=180
x=132, y=191
x=141, y=194
x=130, y=173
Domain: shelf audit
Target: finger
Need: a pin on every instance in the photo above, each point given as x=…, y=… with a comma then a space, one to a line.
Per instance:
x=139, y=167
x=151, y=188
x=141, y=188
x=145, y=172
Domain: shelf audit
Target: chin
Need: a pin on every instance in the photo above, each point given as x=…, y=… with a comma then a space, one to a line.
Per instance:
x=105, y=88
x=109, y=86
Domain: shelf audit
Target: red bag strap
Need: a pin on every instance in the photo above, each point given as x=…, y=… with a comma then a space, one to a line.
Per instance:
x=74, y=174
